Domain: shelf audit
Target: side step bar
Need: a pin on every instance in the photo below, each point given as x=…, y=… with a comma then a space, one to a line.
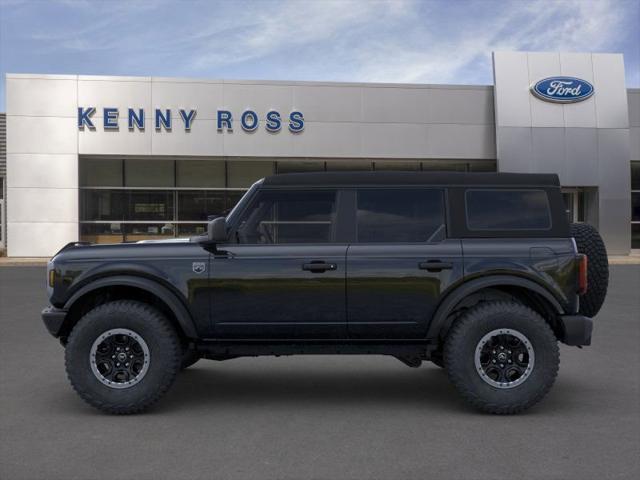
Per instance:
x=219, y=350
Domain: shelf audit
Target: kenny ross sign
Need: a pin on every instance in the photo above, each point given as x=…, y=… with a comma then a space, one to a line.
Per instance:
x=162, y=119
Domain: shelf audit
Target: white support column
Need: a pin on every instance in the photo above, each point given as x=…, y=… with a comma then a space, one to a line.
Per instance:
x=42, y=164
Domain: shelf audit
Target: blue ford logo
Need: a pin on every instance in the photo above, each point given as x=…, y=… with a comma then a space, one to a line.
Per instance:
x=562, y=89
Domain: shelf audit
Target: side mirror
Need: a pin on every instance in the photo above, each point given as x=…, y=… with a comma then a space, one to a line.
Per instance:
x=217, y=230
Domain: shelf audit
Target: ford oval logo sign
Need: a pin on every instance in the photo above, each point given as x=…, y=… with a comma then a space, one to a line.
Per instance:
x=562, y=89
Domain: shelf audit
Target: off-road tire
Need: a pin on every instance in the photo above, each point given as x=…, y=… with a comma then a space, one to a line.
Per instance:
x=189, y=357
x=465, y=335
x=589, y=242
x=164, y=358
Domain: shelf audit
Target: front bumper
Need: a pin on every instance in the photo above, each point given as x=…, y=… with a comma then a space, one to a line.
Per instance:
x=576, y=330
x=53, y=319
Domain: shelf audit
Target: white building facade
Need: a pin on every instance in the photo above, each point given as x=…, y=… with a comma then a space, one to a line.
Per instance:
x=111, y=159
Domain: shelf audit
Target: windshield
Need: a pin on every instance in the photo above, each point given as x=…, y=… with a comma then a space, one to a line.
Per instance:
x=240, y=205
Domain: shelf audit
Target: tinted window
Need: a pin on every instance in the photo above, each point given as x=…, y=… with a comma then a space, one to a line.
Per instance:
x=394, y=215
x=507, y=210
x=289, y=217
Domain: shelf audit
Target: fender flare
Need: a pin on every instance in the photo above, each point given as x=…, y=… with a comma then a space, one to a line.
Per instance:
x=172, y=301
x=440, y=322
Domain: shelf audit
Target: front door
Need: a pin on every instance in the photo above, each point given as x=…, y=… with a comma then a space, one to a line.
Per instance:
x=284, y=275
x=400, y=264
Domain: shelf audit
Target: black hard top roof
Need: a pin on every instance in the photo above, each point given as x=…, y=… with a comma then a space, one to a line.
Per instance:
x=413, y=178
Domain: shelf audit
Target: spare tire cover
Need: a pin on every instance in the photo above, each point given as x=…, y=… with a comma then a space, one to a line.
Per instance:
x=589, y=242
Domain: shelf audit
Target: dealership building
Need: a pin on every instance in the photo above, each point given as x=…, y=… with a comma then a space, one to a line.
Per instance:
x=113, y=159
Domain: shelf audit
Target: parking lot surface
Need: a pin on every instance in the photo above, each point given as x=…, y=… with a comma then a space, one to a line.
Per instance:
x=315, y=417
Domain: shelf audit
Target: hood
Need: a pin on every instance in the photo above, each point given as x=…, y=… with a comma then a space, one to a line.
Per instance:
x=142, y=248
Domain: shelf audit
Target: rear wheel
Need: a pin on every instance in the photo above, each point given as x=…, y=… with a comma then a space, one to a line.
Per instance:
x=502, y=357
x=122, y=356
x=589, y=242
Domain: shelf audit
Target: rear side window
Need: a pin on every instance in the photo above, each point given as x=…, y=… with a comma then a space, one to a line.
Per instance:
x=399, y=215
x=507, y=210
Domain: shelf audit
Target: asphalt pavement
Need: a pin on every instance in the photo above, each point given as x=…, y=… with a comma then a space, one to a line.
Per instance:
x=318, y=417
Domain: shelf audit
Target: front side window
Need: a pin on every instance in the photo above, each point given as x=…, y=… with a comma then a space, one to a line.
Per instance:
x=399, y=215
x=507, y=210
x=276, y=217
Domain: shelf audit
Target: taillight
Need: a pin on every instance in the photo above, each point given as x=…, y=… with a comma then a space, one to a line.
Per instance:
x=582, y=274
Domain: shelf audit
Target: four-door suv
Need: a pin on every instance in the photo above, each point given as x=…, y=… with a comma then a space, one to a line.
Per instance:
x=480, y=273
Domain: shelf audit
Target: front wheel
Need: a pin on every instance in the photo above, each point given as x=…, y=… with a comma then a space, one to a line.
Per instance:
x=502, y=357
x=122, y=356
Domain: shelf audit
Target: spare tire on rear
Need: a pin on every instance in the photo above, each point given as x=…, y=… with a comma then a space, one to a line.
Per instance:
x=589, y=242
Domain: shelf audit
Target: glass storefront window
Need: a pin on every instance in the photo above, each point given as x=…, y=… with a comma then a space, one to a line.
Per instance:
x=199, y=205
x=348, y=165
x=243, y=174
x=391, y=165
x=102, y=205
x=635, y=176
x=635, y=235
x=482, y=166
x=286, y=166
x=134, y=232
x=101, y=232
x=149, y=173
x=444, y=166
x=233, y=197
x=191, y=229
x=150, y=205
x=162, y=197
x=101, y=172
x=200, y=173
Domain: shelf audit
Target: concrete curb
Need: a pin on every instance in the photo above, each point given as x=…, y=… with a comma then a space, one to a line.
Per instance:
x=23, y=261
x=624, y=260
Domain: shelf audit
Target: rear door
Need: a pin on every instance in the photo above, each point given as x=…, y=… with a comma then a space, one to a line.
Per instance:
x=401, y=262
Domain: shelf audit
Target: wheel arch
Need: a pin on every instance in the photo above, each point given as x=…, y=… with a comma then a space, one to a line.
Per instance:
x=119, y=287
x=473, y=291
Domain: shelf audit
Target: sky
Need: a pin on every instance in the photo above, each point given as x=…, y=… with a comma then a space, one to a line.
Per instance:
x=403, y=41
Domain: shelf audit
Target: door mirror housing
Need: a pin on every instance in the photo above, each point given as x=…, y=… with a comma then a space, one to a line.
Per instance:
x=217, y=230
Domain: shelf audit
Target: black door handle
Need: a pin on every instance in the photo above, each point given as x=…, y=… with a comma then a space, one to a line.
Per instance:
x=318, y=267
x=435, y=266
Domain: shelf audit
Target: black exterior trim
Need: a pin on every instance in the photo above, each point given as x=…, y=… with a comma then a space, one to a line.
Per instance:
x=53, y=319
x=164, y=294
x=219, y=350
x=440, y=322
x=576, y=330
x=330, y=179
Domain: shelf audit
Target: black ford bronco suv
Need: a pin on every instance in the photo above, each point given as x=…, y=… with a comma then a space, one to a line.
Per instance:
x=479, y=273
